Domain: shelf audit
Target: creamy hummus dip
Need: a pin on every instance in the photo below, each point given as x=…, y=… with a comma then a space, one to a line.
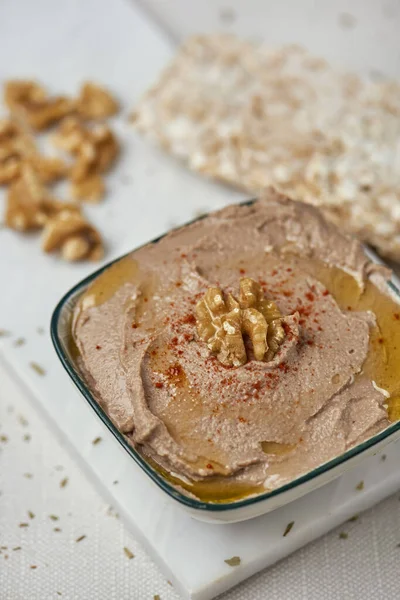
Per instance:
x=221, y=431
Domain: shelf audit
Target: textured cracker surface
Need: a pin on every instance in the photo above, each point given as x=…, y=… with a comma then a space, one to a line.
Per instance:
x=253, y=116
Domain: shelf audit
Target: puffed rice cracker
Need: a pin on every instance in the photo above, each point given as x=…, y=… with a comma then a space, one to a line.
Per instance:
x=253, y=116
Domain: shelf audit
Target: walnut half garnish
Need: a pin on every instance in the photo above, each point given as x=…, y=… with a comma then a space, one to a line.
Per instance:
x=222, y=322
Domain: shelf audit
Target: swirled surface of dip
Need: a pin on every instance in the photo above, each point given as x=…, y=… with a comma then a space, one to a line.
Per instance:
x=223, y=432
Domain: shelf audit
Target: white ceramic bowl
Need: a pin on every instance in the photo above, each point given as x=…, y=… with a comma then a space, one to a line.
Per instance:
x=222, y=512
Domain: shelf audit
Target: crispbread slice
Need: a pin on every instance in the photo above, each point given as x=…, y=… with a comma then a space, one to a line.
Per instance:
x=252, y=116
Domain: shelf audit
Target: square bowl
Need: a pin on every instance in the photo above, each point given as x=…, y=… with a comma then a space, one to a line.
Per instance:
x=219, y=512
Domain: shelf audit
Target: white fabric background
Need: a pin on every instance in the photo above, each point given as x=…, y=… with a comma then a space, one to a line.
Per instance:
x=363, y=566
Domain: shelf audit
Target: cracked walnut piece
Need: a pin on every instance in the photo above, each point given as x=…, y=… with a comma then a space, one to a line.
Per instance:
x=15, y=146
x=90, y=189
x=222, y=323
x=69, y=232
x=95, y=150
x=96, y=102
x=29, y=205
x=30, y=102
x=97, y=153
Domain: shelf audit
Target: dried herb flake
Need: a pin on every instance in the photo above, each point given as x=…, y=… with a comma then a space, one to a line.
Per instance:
x=347, y=20
x=31, y=514
x=3, y=438
x=227, y=15
x=96, y=441
x=19, y=342
x=233, y=562
x=4, y=333
x=53, y=517
x=156, y=597
x=56, y=529
x=353, y=518
x=360, y=486
x=128, y=553
x=28, y=475
x=33, y=566
x=23, y=525
x=343, y=535
x=63, y=482
x=16, y=548
x=36, y=367
x=288, y=529
x=27, y=437
x=383, y=457
x=80, y=538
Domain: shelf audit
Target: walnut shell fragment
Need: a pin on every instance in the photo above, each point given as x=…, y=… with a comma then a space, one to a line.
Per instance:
x=70, y=233
x=222, y=323
x=96, y=102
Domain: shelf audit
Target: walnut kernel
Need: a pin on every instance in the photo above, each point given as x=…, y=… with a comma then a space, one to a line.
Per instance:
x=69, y=135
x=90, y=189
x=28, y=204
x=96, y=102
x=222, y=323
x=15, y=146
x=29, y=101
x=95, y=150
x=70, y=233
x=48, y=168
x=220, y=328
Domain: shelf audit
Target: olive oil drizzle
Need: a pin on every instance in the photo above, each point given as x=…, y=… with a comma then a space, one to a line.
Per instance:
x=381, y=364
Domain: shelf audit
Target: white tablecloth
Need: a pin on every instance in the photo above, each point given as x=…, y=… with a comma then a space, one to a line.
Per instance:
x=361, y=566
x=364, y=565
